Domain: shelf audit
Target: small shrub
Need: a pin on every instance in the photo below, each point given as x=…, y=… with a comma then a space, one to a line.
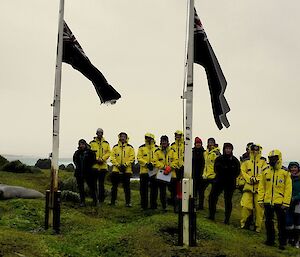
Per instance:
x=43, y=164
x=70, y=196
x=70, y=167
x=3, y=161
x=19, y=167
x=62, y=167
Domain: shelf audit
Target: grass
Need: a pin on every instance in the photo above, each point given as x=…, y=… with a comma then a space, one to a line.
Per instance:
x=117, y=231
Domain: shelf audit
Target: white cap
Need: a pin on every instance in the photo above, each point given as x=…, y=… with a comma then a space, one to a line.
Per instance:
x=99, y=130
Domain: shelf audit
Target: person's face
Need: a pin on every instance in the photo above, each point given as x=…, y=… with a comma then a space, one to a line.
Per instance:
x=294, y=170
x=82, y=146
x=255, y=152
x=273, y=160
x=228, y=150
x=99, y=134
x=210, y=144
x=164, y=144
x=123, y=138
x=178, y=136
x=148, y=139
x=198, y=145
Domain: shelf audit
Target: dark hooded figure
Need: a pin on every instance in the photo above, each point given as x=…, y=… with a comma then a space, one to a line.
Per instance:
x=84, y=158
x=227, y=168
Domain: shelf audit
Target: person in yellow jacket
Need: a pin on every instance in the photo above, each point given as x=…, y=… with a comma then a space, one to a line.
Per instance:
x=102, y=150
x=251, y=170
x=165, y=159
x=210, y=155
x=122, y=157
x=178, y=147
x=145, y=158
x=275, y=193
x=240, y=181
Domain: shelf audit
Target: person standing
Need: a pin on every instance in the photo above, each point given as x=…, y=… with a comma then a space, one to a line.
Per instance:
x=145, y=158
x=102, y=150
x=197, y=167
x=122, y=157
x=84, y=159
x=275, y=193
x=210, y=155
x=165, y=159
x=251, y=170
x=293, y=212
x=227, y=168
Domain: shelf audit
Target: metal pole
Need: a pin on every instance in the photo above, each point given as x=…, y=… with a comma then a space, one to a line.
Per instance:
x=187, y=183
x=56, y=115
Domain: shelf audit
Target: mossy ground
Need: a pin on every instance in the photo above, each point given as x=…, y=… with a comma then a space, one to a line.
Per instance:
x=117, y=231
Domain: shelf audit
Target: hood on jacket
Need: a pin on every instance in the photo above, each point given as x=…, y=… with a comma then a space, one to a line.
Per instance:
x=227, y=145
x=259, y=151
x=276, y=153
x=179, y=132
x=151, y=136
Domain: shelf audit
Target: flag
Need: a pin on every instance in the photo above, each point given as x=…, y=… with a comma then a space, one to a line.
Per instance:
x=205, y=56
x=74, y=55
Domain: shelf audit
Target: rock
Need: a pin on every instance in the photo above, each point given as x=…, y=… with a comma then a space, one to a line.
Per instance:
x=62, y=167
x=9, y=192
x=43, y=164
x=70, y=167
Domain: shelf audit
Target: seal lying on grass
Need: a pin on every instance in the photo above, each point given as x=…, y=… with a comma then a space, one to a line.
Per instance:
x=8, y=192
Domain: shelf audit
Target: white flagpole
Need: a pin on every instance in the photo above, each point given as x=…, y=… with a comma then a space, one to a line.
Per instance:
x=56, y=112
x=187, y=183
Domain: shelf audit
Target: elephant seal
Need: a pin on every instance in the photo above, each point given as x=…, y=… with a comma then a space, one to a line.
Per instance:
x=9, y=192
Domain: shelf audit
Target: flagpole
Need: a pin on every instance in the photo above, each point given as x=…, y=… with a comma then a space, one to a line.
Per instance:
x=188, y=208
x=53, y=198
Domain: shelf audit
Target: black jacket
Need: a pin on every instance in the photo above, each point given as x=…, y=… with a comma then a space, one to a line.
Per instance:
x=198, y=162
x=83, y=160
x=227, y=169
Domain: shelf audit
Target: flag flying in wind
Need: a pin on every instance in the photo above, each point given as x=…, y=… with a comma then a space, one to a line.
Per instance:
x=75, y=56
x=205, y=56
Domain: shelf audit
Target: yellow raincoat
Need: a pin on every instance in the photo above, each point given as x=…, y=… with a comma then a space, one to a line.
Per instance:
x=102, y=151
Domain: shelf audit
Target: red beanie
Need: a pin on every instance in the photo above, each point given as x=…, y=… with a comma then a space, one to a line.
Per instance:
x=198, y=140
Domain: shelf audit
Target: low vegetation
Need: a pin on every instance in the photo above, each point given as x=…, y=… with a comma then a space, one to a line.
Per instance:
x=117, y=231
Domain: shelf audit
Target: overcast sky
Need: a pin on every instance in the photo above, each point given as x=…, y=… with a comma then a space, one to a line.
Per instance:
x=139, y=45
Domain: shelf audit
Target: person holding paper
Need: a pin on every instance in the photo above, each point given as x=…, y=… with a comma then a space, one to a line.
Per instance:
x=166, y=161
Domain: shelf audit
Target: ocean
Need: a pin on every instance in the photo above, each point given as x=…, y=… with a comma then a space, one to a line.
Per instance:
x=31, y=160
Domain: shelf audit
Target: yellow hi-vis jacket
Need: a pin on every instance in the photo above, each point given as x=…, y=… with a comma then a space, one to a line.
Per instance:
x=122, y=154
x=275, y=186
x=251, y=171
x=146, y=154
x=166, y=158
x=210, y=157
x=102, y=151
x=178, y=147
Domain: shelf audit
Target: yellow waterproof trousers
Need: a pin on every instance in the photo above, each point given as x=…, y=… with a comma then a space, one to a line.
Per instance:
x=248, y=201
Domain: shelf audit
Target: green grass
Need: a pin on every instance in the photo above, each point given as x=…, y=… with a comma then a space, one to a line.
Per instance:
x=117, y=231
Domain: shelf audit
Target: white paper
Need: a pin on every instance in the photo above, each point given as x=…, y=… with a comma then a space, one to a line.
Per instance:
x=161, y=176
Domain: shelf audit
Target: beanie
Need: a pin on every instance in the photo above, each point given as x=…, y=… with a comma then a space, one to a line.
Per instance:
x=198, y=140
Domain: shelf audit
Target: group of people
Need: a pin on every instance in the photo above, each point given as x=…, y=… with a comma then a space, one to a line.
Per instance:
x=266, y=186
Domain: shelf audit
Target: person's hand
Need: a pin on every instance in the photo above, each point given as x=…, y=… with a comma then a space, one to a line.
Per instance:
x=150, y=166
x=122, y=168
x=100, y=161
x=167, y=170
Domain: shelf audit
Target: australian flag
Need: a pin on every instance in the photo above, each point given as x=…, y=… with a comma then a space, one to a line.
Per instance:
x=75, y=56
x=205, y=56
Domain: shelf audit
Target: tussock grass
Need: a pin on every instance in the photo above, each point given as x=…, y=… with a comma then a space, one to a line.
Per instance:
x=117, y=231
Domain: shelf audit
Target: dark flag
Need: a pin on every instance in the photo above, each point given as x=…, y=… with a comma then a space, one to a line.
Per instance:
x=205, y=56
x=75, y=56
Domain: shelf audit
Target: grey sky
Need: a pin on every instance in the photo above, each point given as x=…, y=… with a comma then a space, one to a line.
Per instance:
x=139, y=46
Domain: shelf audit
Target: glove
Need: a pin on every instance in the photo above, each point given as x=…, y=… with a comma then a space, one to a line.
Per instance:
x=149, y=166
x=167, y=170
x=253, y=180
x=122, y=168
x=99, y=161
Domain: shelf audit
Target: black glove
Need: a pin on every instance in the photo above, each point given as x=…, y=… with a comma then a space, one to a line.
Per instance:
x=122, y=168
x=150, y=166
